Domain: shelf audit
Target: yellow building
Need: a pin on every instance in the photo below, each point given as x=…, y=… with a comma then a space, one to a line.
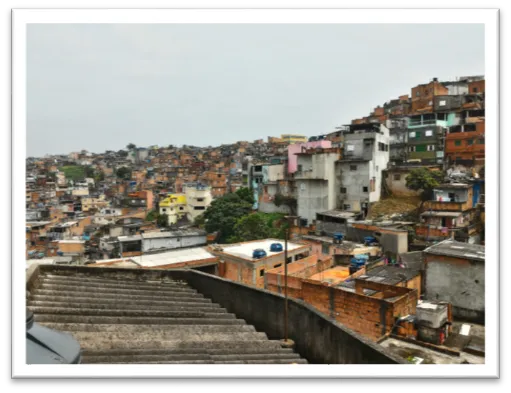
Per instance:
x=174, y=206
x=94, y=203
x=294, y=138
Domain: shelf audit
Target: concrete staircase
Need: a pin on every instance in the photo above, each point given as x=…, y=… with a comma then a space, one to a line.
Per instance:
x=131, y=321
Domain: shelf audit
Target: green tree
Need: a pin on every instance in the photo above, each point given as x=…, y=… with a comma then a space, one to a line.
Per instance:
x=258, y=226
x=131, y=146
x=252, y=227
x=99, y=176
x=223, y=214
x=200, y=221
x=123, y=173
x=424, y=180
x=288, y=201
x=122, y=153
x=152, y=215
x=89, y=171
x=246, y=195
x=162, y=220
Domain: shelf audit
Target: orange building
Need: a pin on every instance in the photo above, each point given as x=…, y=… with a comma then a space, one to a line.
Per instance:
x=465, y=143
x=422, y=96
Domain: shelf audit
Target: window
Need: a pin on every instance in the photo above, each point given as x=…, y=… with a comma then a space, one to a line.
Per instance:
x=457, y=143
x=470, y=142
x=325, y=249
x=365, y=189
x=441, y=103
x=411, y=148
x=386, y=147
x=417, y=94
x=200, y=199
x=397, y=177
x=180, y=207
x=219, y=175
x=431, y=147
x=261, y=273
x=346, y=207
x=353, y=167
x=350, y=147
x=199, y=208
x=474, y=90
x=412, y=134
x=480, y=141
x=289, y=260
x=381, y=146
x=343, y=190
x=163, y=210
x=429, y=133
x=299, y=168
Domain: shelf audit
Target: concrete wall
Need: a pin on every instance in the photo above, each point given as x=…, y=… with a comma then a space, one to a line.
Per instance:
x=395, y=242
x=331, y=227
x=398, y=186
x=173, y=242
x=276, y=172
x=458, y=281
x=297, y=148
x=354, y=181
x=312, y=198
x=269, y=207
x=318, y=338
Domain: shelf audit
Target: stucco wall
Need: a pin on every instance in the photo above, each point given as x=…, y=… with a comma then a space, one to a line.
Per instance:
x=460, y=282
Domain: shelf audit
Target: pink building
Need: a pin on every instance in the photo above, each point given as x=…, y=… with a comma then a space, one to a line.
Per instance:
x=292, y=159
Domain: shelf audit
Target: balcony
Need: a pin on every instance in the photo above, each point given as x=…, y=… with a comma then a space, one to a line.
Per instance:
x=447, y=206
x=308, y=175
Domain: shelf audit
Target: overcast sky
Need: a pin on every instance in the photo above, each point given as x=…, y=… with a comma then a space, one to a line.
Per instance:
x=100, y=87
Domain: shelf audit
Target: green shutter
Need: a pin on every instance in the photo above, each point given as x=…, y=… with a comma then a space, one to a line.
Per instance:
x=457, y=143
x=420, y=148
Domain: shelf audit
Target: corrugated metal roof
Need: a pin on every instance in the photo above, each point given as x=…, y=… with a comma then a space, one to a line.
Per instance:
x=457, y=249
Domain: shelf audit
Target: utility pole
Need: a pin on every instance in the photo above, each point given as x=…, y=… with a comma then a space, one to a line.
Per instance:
x=285, y=285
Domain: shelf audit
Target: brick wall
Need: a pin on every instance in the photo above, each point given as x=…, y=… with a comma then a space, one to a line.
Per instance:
x=275, y=280
x=369, y=316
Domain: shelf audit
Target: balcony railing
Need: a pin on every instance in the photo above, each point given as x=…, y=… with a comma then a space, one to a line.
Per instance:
x=447, y=206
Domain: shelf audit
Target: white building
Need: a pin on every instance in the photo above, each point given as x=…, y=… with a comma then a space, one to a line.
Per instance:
x=316, y=183
x=198, y=198
x=365, y=156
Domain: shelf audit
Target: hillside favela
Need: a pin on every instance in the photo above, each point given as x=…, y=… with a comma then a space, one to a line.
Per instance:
x=361, y=245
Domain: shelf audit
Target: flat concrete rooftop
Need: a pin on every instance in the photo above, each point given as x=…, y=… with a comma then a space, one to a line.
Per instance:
x=245, y=250
x=165, y=258
x=452, y=248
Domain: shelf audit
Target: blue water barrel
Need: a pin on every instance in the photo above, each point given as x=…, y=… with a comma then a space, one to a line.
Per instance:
x=258, y=253
x=276, y=247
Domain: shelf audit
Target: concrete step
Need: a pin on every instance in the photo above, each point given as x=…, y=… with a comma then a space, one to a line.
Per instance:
x=64, y=296
x=162, y=336
x=156, y=329
x=223, y=349
x=116, y=285
x=114, y=289
x=57, y=318
x=187, y=356
x=49, y=301
x=203, y=346
x=90, y=342
x=92, y=279
x=112, y=277
x=195, y=307
x=173, y=362
x=254, y=356
x=266, y=361
x=145, y=358
x=212, y=313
